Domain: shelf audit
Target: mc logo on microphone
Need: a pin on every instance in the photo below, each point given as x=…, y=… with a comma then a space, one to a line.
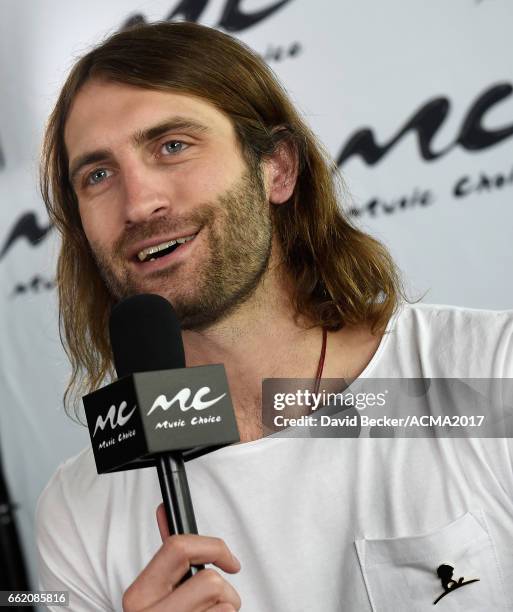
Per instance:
x=116, y=417
x=182, y=397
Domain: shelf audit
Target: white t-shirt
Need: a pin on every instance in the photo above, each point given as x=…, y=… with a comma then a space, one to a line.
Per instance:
x=319, y=524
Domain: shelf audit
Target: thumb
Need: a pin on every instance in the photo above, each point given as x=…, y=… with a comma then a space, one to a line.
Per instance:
x=162, y=522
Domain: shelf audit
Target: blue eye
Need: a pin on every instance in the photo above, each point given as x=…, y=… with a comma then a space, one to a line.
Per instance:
x=97, y=176
x=173, y=146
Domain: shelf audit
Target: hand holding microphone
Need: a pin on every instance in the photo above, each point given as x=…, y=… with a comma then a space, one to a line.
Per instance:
x=158, y=587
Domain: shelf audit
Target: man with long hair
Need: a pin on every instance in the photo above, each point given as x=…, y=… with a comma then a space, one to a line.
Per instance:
x=174, y=163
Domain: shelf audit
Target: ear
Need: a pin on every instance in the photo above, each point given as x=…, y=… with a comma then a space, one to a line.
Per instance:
x=280, y=172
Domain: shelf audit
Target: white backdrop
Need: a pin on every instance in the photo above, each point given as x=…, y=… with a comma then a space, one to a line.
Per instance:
x=415, y=96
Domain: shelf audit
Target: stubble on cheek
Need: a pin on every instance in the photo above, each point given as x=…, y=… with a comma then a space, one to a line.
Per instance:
x=239, y=252
x=118, y=284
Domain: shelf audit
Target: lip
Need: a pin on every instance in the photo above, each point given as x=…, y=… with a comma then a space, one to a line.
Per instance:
x=151, y=242
x=172, y=258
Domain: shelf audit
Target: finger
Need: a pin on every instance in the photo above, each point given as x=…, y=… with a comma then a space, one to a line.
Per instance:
x=162, y=522
x=172, y=561
x=201, y=593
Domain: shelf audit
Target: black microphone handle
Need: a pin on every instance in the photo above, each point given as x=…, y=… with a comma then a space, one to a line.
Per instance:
x=177, y=499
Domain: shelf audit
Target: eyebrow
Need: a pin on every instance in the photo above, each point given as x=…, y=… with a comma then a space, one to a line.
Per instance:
x=138, y=139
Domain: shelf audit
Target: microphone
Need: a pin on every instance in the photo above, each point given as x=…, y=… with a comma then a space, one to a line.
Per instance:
x=158, y=413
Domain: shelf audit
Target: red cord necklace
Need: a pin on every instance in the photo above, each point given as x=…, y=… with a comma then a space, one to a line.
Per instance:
x=320, y=367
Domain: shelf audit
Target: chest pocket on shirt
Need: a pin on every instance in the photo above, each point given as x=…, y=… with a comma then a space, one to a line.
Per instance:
x=409, y=574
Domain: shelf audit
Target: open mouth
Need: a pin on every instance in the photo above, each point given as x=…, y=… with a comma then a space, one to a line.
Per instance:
x=161, y=250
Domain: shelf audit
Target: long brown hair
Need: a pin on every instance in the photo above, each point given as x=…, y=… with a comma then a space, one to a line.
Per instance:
x=343, y=276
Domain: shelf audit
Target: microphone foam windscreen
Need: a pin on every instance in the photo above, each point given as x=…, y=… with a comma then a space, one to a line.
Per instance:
x=145, y=335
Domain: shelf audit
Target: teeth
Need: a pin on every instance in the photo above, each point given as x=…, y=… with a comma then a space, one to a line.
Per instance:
x=145, y=253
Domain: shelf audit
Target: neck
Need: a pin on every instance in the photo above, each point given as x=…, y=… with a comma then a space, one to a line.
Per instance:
x=262, y=339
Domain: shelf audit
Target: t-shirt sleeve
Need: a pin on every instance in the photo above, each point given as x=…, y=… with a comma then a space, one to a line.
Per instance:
x=64, y=564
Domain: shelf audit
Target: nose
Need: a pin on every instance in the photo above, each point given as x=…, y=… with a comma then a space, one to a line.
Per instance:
x=145, y=196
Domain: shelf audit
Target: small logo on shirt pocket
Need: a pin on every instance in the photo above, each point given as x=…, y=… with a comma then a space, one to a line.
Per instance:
x=445, y=572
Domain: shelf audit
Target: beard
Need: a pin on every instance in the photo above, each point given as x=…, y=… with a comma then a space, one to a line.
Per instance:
x=238, y=241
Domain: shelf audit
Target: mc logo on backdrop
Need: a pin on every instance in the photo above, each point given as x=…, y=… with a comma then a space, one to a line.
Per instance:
x=427, y=121
x=232, y=19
